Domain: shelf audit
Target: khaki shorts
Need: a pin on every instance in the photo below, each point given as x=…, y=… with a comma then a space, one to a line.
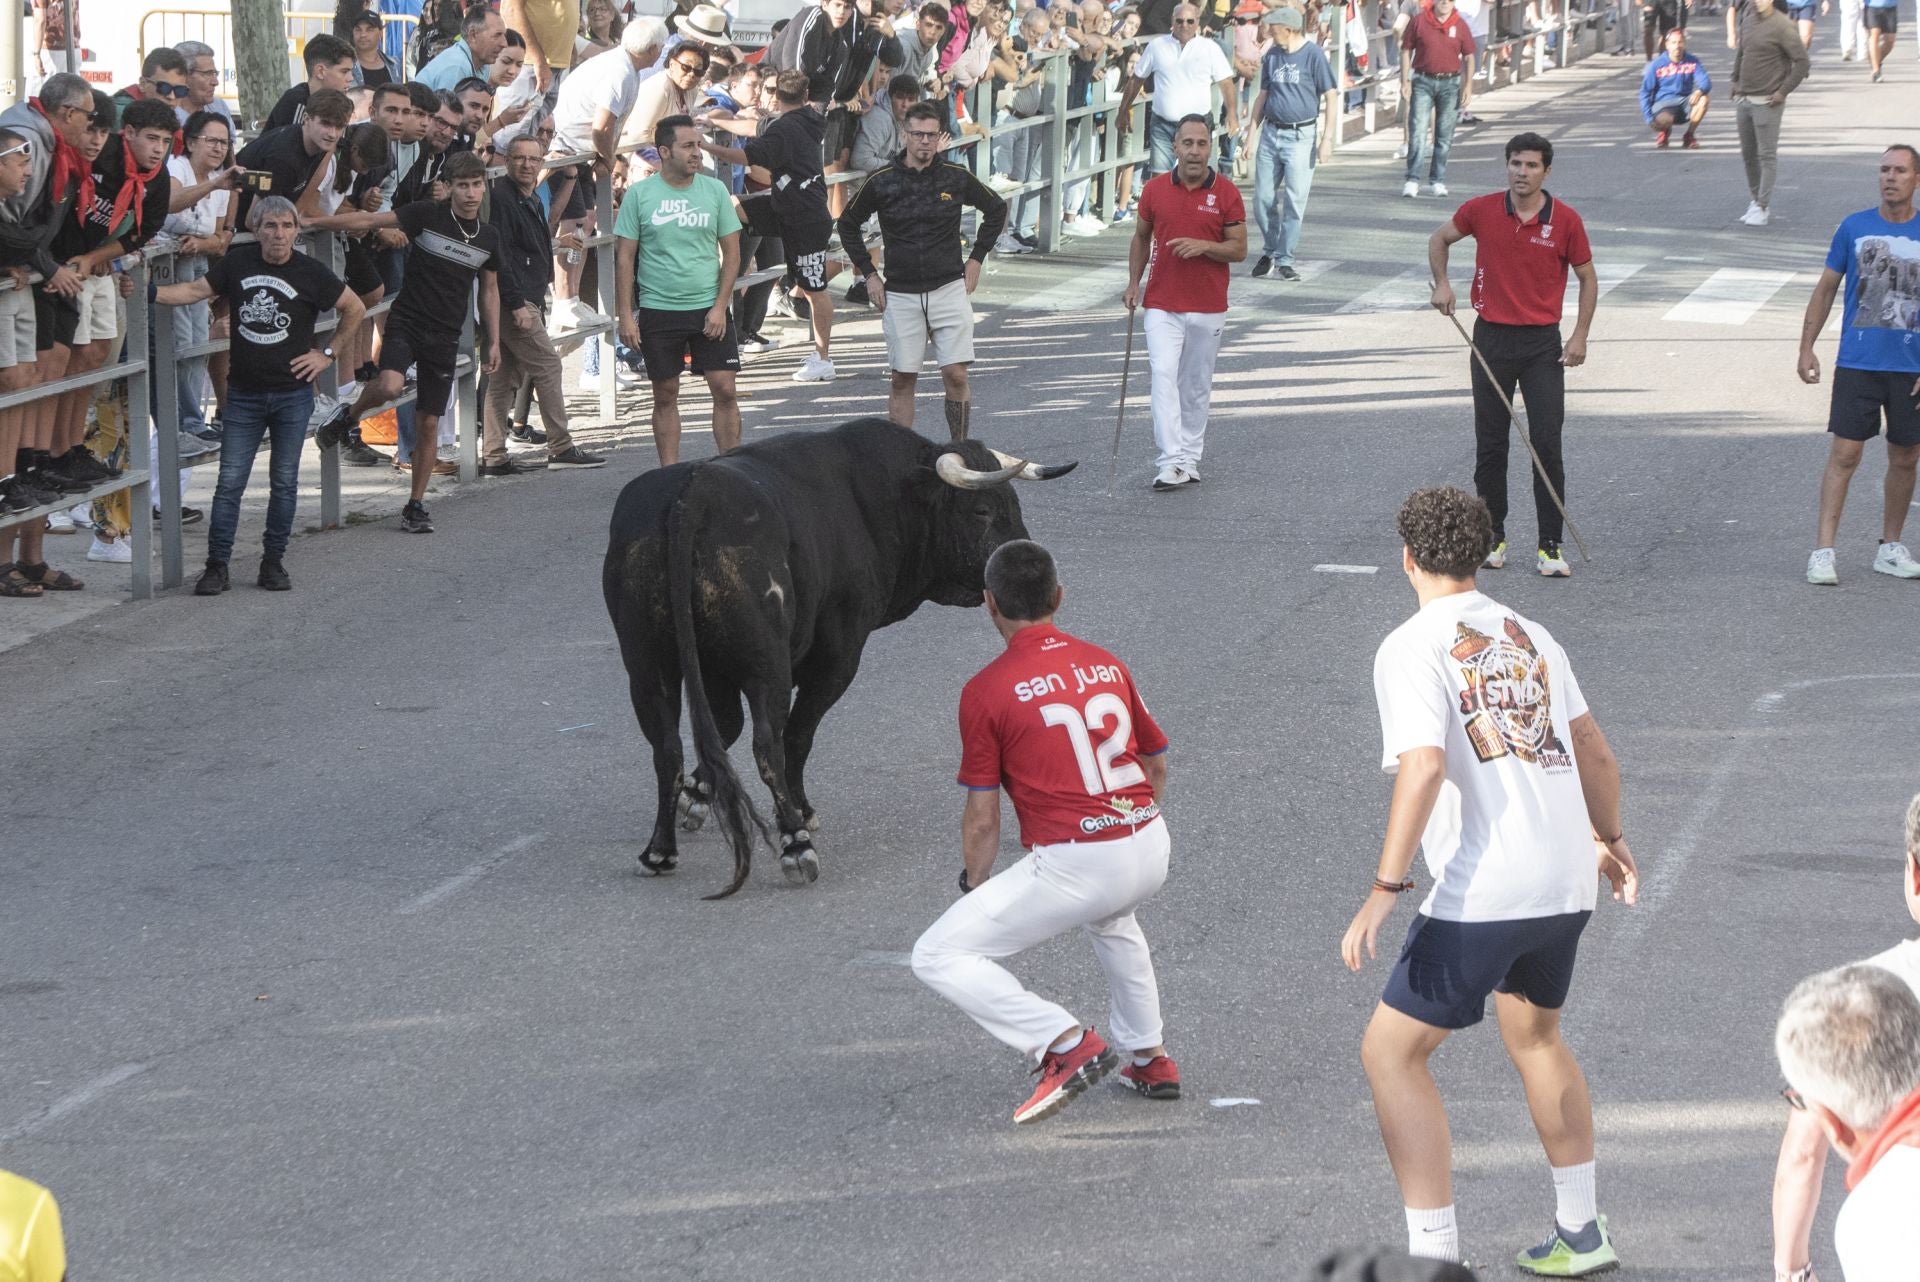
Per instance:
x=943, y=316
x=16, y=328
x=99, y=310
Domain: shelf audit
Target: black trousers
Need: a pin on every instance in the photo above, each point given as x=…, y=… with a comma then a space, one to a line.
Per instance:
x=1527, y=357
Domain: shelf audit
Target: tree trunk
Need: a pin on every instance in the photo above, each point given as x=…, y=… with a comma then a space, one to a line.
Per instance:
x=259, y=55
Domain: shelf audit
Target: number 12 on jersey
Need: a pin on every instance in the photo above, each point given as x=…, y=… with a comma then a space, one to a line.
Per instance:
x=1098, y=773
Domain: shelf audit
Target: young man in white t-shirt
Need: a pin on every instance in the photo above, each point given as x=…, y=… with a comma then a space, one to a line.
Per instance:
x=1505, y=780
x=1799, y=1172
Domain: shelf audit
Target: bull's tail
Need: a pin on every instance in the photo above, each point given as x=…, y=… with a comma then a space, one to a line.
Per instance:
x=738, y=821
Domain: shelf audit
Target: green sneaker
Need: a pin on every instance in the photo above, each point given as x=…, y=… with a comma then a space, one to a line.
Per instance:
x=1497, y=559
x=1558, y=1258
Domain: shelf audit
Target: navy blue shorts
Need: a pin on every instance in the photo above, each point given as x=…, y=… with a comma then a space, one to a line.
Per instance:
x=1804, y=12
x=1447, y=968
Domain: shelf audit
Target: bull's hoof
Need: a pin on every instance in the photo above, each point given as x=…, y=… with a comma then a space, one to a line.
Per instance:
x=813, y=822
x=693, y=814
x=799, y=863
x=658, y=862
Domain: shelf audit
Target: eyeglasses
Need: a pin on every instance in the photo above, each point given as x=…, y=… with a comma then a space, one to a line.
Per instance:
x=24, y=145
x=1794, y=1099
x=924, y=135
x=211, y=141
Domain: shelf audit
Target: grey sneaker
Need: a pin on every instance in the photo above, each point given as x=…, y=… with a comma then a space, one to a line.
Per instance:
x=574, y=456
x=1894, y=559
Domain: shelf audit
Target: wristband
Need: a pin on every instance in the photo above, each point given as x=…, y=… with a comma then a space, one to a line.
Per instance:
x=1393, y=887
x=965, y=885
x=1608, y=841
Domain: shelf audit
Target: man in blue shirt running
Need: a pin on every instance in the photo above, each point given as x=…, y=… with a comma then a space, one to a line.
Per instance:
x=1877, y=373
x=1675, y=88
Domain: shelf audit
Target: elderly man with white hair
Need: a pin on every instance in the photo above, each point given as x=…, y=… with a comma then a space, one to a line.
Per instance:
x=1803, y=1150
x=1848, y=1041
x=203, y=81
x=1185, y=71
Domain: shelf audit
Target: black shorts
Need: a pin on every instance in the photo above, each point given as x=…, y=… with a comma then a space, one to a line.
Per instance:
x=1887, y=20
x=580, y=200
x=435, y=352
x=842, y=125
x=56, y=318
x=363, y=268
x=807, y=254
x=1662, y=16
x=1447, y=968
x=668, y=338
x=1862, y=397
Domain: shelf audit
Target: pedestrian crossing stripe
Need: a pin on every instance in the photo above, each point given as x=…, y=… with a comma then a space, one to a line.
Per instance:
x=1730, y=296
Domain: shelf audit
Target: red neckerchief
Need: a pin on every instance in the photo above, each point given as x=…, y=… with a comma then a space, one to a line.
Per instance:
x=133, y=190
x=1901, y=1127
x=67, y=165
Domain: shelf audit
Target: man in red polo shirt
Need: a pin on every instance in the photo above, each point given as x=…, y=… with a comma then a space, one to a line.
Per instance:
x=1190, y=224
x=1439, y=65
x=1059, y=724
x=1524, y=241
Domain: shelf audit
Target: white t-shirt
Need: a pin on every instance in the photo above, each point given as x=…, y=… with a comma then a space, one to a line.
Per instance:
x=1876, y=1236
x=521, y=90
x=1509, y=836
x=202, y=218
x=1184, y=75
x=1904, y=961
x=607, y=81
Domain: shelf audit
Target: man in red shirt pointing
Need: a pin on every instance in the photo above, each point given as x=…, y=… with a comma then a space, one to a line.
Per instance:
x=1057, y=723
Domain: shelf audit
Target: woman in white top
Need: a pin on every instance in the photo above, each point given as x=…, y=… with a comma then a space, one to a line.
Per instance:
x=515, y=94
x=198, y=232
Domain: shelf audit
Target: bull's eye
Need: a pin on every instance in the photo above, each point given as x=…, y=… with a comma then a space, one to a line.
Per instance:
x=984, y=511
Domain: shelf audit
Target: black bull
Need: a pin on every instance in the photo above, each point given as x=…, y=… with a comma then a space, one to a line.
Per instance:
x=760, y=574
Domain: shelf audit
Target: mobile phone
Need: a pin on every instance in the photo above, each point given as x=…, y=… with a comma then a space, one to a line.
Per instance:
x=257, y=181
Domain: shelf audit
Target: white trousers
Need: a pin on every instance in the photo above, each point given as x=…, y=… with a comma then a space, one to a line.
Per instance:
x=1853, y=28
x=1094, y=885
x=1181, y=347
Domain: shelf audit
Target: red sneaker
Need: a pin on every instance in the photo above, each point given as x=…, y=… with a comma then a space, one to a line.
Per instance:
x=1064, y=1074
x=1159, y=1078
x=1660, y=139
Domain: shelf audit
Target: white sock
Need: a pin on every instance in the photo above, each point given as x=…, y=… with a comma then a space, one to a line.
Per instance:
x=1078, y=1037
x=1141, y=1061
x=1433, y=1235
x=1575, y=1206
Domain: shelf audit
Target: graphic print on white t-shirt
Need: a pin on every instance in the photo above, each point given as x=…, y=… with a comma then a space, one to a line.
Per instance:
x=1508, y=837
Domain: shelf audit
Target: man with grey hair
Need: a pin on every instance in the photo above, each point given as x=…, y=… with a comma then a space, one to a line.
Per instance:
x=1848, y=1042
x=482, y=36
x=203, y=82
x=1185, y=71
x=1797, y=1175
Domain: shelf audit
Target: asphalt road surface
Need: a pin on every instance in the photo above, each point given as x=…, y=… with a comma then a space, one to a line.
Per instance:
x=322, y=954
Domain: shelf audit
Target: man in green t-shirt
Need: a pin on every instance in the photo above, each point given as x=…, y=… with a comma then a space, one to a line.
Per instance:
x=678, y=237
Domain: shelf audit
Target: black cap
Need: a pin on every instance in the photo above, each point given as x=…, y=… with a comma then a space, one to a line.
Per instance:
x=368, y=18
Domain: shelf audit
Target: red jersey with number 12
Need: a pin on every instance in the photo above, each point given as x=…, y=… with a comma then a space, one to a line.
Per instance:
x=1057, y=723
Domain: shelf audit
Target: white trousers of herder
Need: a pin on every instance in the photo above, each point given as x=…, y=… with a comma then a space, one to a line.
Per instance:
x=1095, y=885
x=1181, y=347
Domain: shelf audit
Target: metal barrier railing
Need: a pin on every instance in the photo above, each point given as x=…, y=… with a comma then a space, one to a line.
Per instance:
x=164, y=28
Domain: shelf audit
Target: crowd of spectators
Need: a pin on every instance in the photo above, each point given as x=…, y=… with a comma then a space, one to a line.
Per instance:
x=789, y=130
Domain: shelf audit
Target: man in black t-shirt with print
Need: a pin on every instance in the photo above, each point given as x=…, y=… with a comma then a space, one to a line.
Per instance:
x=790, y=151
x=274, y=296
x=451, y=249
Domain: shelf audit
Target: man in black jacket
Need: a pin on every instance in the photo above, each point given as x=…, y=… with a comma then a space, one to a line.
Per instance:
x=526, y=273
x=924, y=296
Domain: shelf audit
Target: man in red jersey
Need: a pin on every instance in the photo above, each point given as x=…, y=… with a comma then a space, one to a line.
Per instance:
x=1058, y=723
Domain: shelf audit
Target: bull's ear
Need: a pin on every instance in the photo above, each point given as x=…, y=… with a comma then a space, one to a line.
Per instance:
x=924, y=485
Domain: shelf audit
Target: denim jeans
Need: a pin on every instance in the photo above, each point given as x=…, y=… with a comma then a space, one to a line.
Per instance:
x=189, y=328
x=1434, y=112
x=282, y=418
x=1282, y=178
x=1159, y=147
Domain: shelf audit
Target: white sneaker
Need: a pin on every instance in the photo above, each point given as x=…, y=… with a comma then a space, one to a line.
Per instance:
x=81, y=516
x=566, y=315
x=1400, y=152
x=1894, y=559
x=625, y=375
x=1411, y=189
x=815, y=369
x=1193, y=472
x=1497, y=559
x=1171, y=477
x=60, y=523
x=1002, y=184
x=1083, y=226
x=1552, y=563
x=755, y=346
x=323, y=409
x=1820, y=568
x=1439, y=189
x=119, y=552
x=1760, y=219
x=1753, y=211
x=1008, y=245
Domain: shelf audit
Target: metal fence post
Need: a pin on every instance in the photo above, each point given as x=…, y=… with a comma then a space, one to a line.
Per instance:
x=1053, y=154
x=466, y=433
x=603, y=260
x=164, y=386
x=140, y=444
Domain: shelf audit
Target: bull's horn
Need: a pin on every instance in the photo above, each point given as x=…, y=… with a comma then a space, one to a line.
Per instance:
x=961, y=477
x=1035, y=471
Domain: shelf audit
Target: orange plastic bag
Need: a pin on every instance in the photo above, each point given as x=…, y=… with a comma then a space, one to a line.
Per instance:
x=382, y=429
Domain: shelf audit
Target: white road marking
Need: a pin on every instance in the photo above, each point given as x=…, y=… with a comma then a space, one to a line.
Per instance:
x=584, y=725
x=461, y=880
x=72, y=1101
x=1346, y=569
x=1407, y=292
x=1729, y=297
x=1611, y=274
x=1082, y=291
x=1232, y=1101
x=1666, y=872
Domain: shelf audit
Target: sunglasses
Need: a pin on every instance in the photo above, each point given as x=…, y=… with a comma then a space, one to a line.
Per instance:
x=1186, y=22
x=1794, y=1099
x=24, y=145
x=164, y=90
x=685, y=65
